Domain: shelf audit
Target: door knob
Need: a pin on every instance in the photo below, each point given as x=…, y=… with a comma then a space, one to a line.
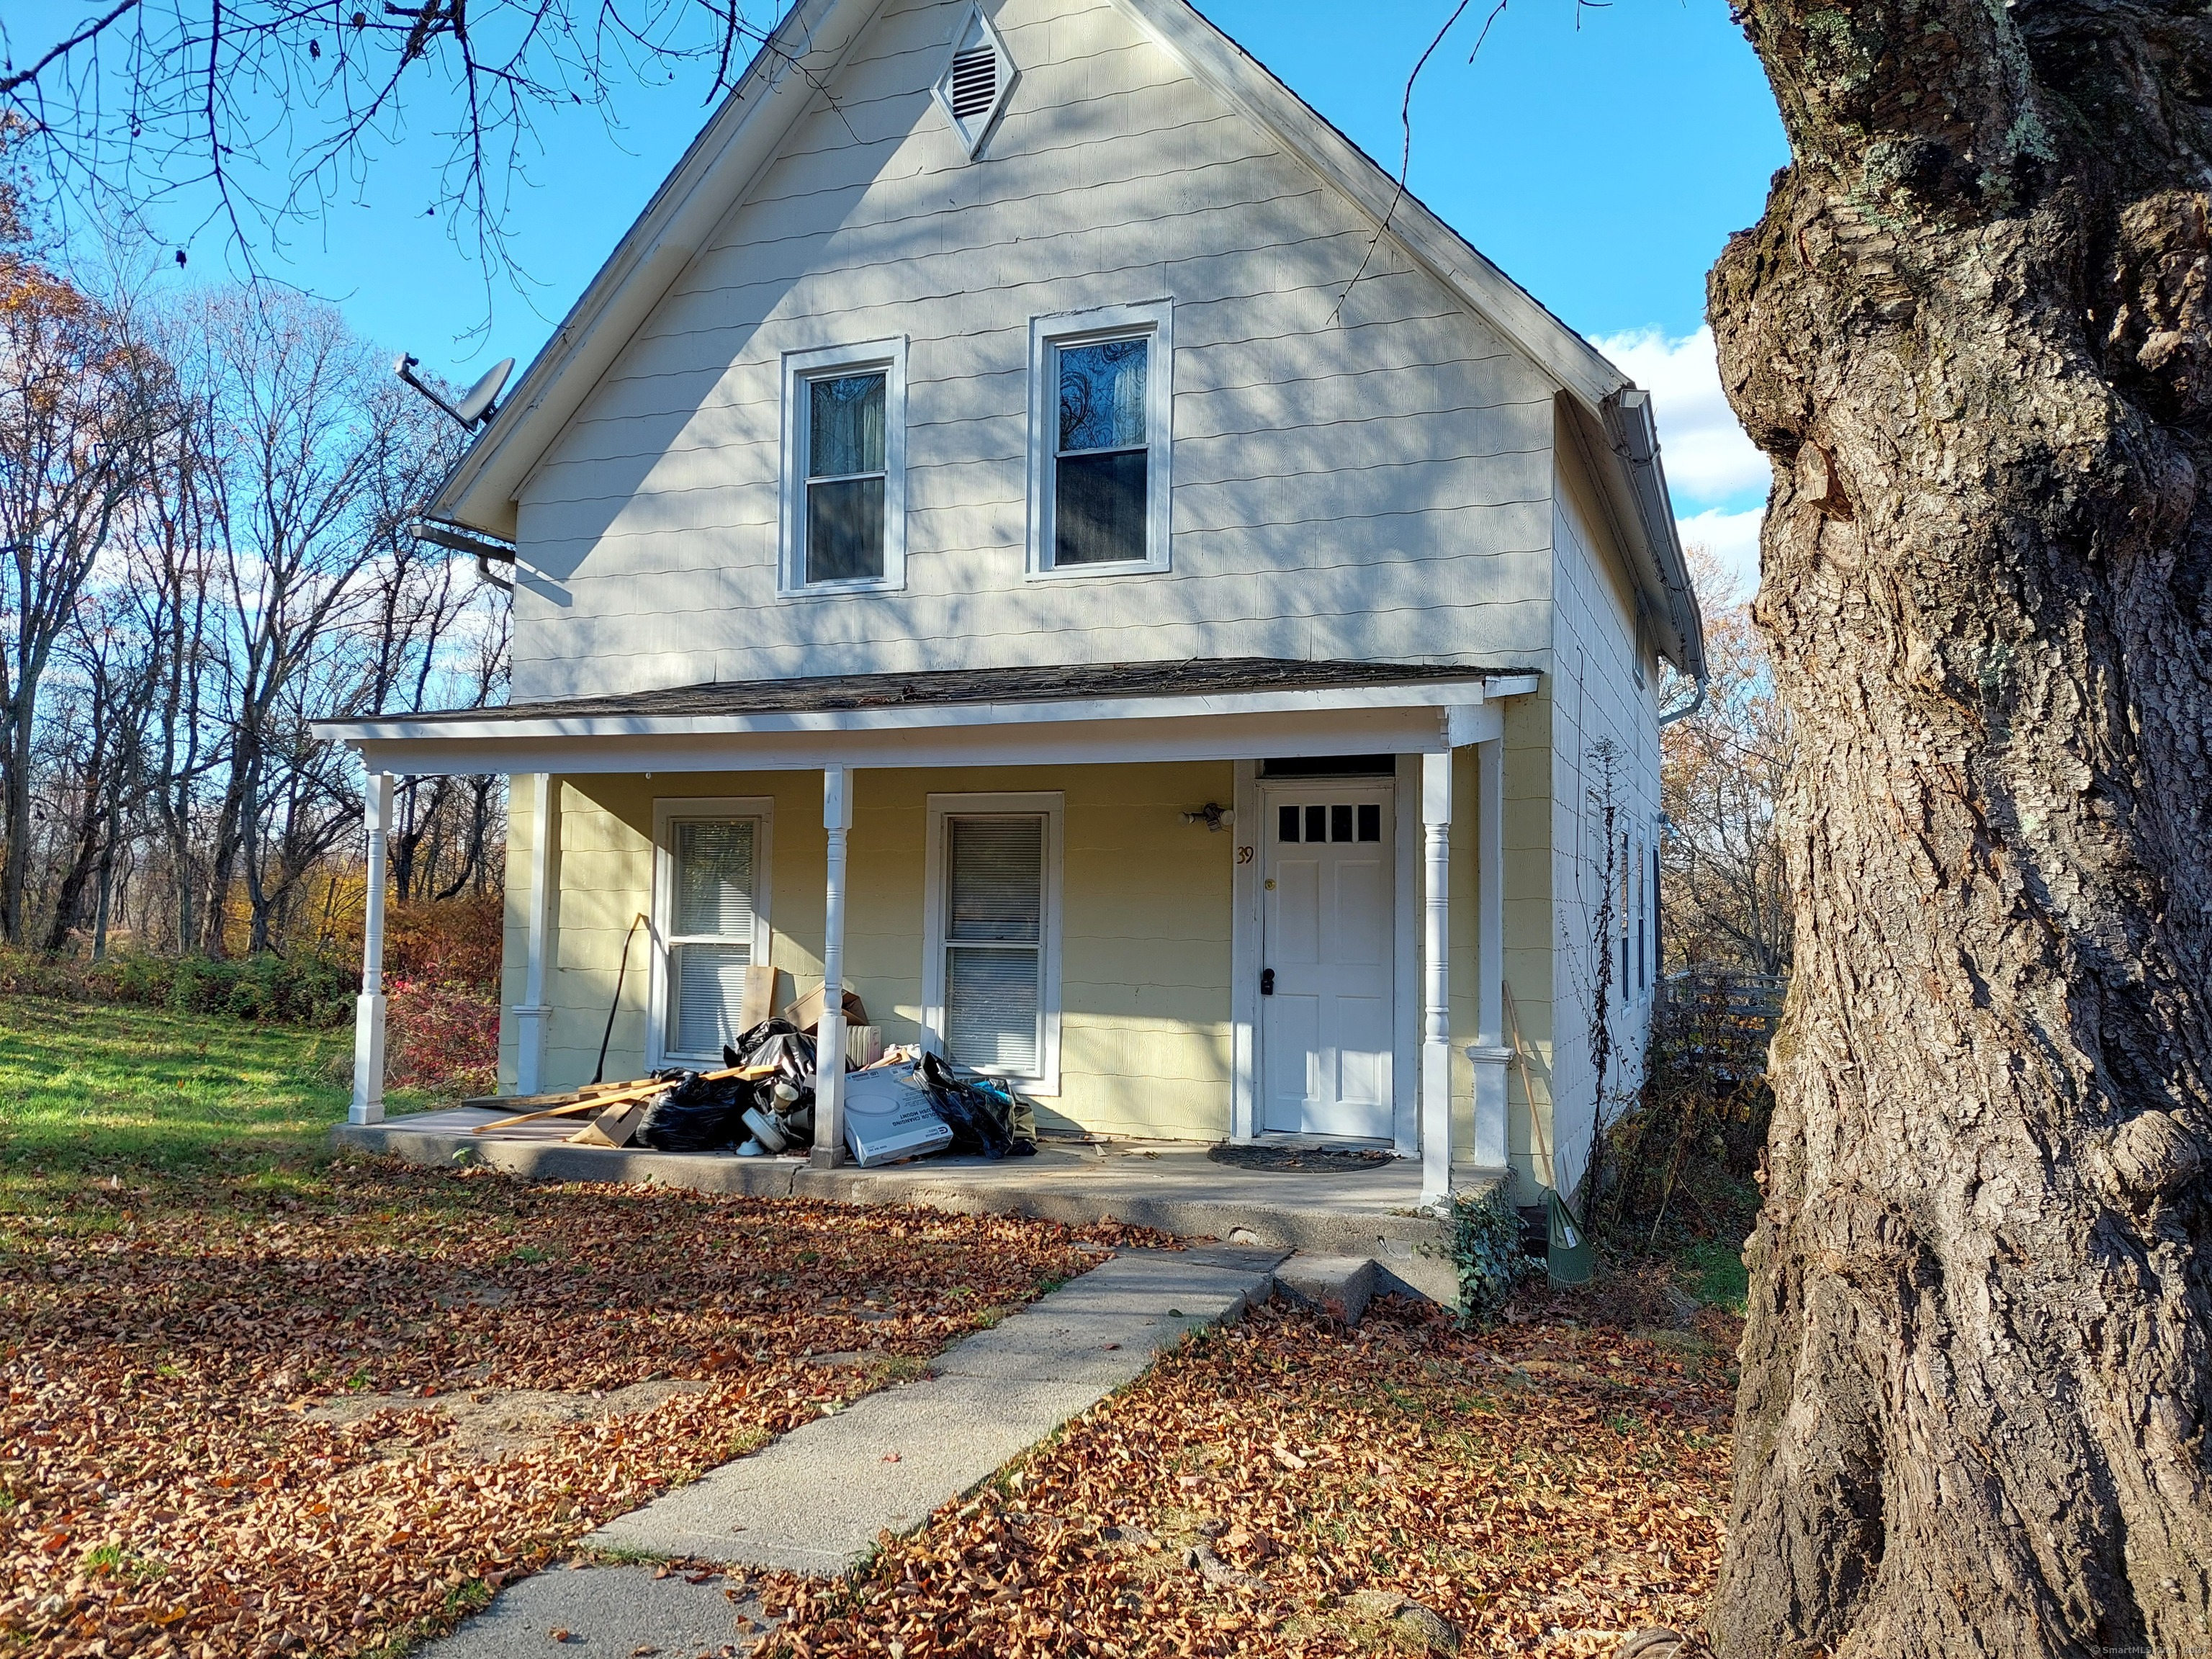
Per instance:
x=1267, y=982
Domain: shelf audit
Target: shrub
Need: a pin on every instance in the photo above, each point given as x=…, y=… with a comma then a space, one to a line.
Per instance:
x=1487, y=1250
x=442, y=1042
x=454, y=942
x=305, y=988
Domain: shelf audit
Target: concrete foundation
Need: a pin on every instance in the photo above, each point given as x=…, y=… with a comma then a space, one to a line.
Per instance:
x=1370, y=1214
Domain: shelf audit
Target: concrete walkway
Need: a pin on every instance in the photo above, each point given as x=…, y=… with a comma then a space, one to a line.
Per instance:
x=815, y=1500
x=610, y=1611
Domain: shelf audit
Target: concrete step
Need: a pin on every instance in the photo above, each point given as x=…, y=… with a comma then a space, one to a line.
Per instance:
x=1340, y=1286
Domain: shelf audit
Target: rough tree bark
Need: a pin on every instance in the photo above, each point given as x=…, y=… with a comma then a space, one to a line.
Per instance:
x=1972, y=333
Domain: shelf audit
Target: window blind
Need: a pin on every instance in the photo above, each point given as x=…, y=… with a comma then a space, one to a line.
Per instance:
x=995, y=944
x=710, y=930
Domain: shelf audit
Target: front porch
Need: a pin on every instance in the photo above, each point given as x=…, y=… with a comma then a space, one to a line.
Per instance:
x=1372, y=1213
x=1152, y=945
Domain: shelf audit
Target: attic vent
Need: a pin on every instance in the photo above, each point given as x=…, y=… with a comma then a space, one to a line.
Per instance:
x=977, y=78
x=974, y=82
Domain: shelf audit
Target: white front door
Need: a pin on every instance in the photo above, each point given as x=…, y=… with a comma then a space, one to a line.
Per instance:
x=1327, y=961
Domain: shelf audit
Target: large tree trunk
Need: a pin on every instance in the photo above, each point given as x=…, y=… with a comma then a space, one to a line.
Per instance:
x=1971, y=332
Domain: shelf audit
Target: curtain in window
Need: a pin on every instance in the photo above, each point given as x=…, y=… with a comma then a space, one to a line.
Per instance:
x=710, y=930
x=1101, y=474
x=995, y=944
x=845, y=471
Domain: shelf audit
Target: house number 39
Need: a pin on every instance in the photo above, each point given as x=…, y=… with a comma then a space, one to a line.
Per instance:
x=1244, y=855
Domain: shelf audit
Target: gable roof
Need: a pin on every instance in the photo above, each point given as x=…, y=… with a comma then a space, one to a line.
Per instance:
x=797, y=60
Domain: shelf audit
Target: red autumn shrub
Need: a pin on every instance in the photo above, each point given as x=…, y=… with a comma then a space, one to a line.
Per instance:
x=454, y=942
x=442, y=1041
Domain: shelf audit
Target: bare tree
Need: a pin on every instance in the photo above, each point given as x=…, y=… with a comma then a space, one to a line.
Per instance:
x=83, y=408
x=1725, y=897
x=267, y=111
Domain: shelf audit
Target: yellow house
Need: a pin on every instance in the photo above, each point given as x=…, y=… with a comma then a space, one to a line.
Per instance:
x=1030, y=528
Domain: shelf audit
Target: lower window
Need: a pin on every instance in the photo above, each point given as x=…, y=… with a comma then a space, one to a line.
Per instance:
x=710, y=923
x=992, y=972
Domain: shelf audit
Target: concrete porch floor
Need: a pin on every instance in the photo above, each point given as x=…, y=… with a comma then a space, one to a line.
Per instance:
x=1174, y=1188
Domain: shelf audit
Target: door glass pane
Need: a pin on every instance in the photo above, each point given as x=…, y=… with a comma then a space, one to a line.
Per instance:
x=845, y=531
x=847, y=435
x=715, y=879
x=1286, y=824
x=1371, y=822
x=996, y=890
x=991, y=1008
x=1316, y=823
x=1340, y=822
x=1098, y=508
x=1102, y=394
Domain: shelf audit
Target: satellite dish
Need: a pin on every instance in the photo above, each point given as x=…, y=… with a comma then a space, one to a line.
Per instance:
x=476, y=404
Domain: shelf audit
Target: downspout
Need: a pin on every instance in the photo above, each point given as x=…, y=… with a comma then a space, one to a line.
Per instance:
x=459, y=538
x=1668, y=716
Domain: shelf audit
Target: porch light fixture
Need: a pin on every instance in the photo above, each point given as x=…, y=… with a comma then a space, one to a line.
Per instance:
x=1215, y=818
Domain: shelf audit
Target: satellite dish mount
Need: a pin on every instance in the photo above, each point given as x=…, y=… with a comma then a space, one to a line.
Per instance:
x=479, y=404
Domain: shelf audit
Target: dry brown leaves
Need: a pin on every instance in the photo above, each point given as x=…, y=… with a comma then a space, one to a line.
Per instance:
x=173, y=1480
x=1289, y=1487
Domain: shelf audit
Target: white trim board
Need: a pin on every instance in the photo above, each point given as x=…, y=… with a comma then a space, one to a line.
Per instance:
x=666, y=811
x=1436, y=694
x=1051, y=805
x=1101, y=743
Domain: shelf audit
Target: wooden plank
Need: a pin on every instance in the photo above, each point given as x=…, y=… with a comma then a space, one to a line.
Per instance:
x=635, y=1091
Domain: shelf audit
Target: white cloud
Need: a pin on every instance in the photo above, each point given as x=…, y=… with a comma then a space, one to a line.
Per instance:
x=1731, y=537
x=1710, y=463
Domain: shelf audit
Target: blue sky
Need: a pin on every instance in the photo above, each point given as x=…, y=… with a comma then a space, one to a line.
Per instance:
x=1600, y=154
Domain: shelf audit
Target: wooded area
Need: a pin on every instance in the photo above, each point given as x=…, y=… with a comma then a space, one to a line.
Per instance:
x=204, y=547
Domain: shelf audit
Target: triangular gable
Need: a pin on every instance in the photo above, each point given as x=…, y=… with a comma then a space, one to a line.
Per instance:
x=805, y=51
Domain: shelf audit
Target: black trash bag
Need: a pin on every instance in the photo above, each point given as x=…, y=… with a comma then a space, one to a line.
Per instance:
x=692, y=1115
x=743, y=1052
x=981, y=1119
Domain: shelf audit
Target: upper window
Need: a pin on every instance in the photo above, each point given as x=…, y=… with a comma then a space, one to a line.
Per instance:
x=1102, y=405
x=977, y=78
x=711, y=920
x=844, y=510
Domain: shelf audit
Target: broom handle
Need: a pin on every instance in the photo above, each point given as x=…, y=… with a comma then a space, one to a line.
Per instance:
x=621, y=968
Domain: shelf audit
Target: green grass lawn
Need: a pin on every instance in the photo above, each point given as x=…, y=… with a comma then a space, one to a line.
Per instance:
x=94, y=1095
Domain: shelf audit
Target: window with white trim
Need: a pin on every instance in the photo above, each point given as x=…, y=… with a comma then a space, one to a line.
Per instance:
x=844, y=483
x=710, y=895
x=1102, y=414
x=991, y=977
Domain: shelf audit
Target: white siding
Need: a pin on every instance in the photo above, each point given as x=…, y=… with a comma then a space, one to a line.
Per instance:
x=1373, y=484
x=1595, y=695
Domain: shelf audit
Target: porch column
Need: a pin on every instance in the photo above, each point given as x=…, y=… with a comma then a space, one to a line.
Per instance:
x=531, y=1013
x=829, y=1036
x=368, y=1011
x=1435, y=980
x=1490, y=1054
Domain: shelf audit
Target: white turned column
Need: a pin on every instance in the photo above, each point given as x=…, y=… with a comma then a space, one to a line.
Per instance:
x=368, y=1011
x=1436, y=979
x=531, y=1013
x=829, y=1036
x=1490, y=1054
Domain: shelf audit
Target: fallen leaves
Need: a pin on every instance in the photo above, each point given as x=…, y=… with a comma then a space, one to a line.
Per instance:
x=1290, y=1487
x=311, y=1423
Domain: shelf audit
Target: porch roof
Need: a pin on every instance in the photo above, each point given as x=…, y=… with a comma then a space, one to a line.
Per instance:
x=1246, y=708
